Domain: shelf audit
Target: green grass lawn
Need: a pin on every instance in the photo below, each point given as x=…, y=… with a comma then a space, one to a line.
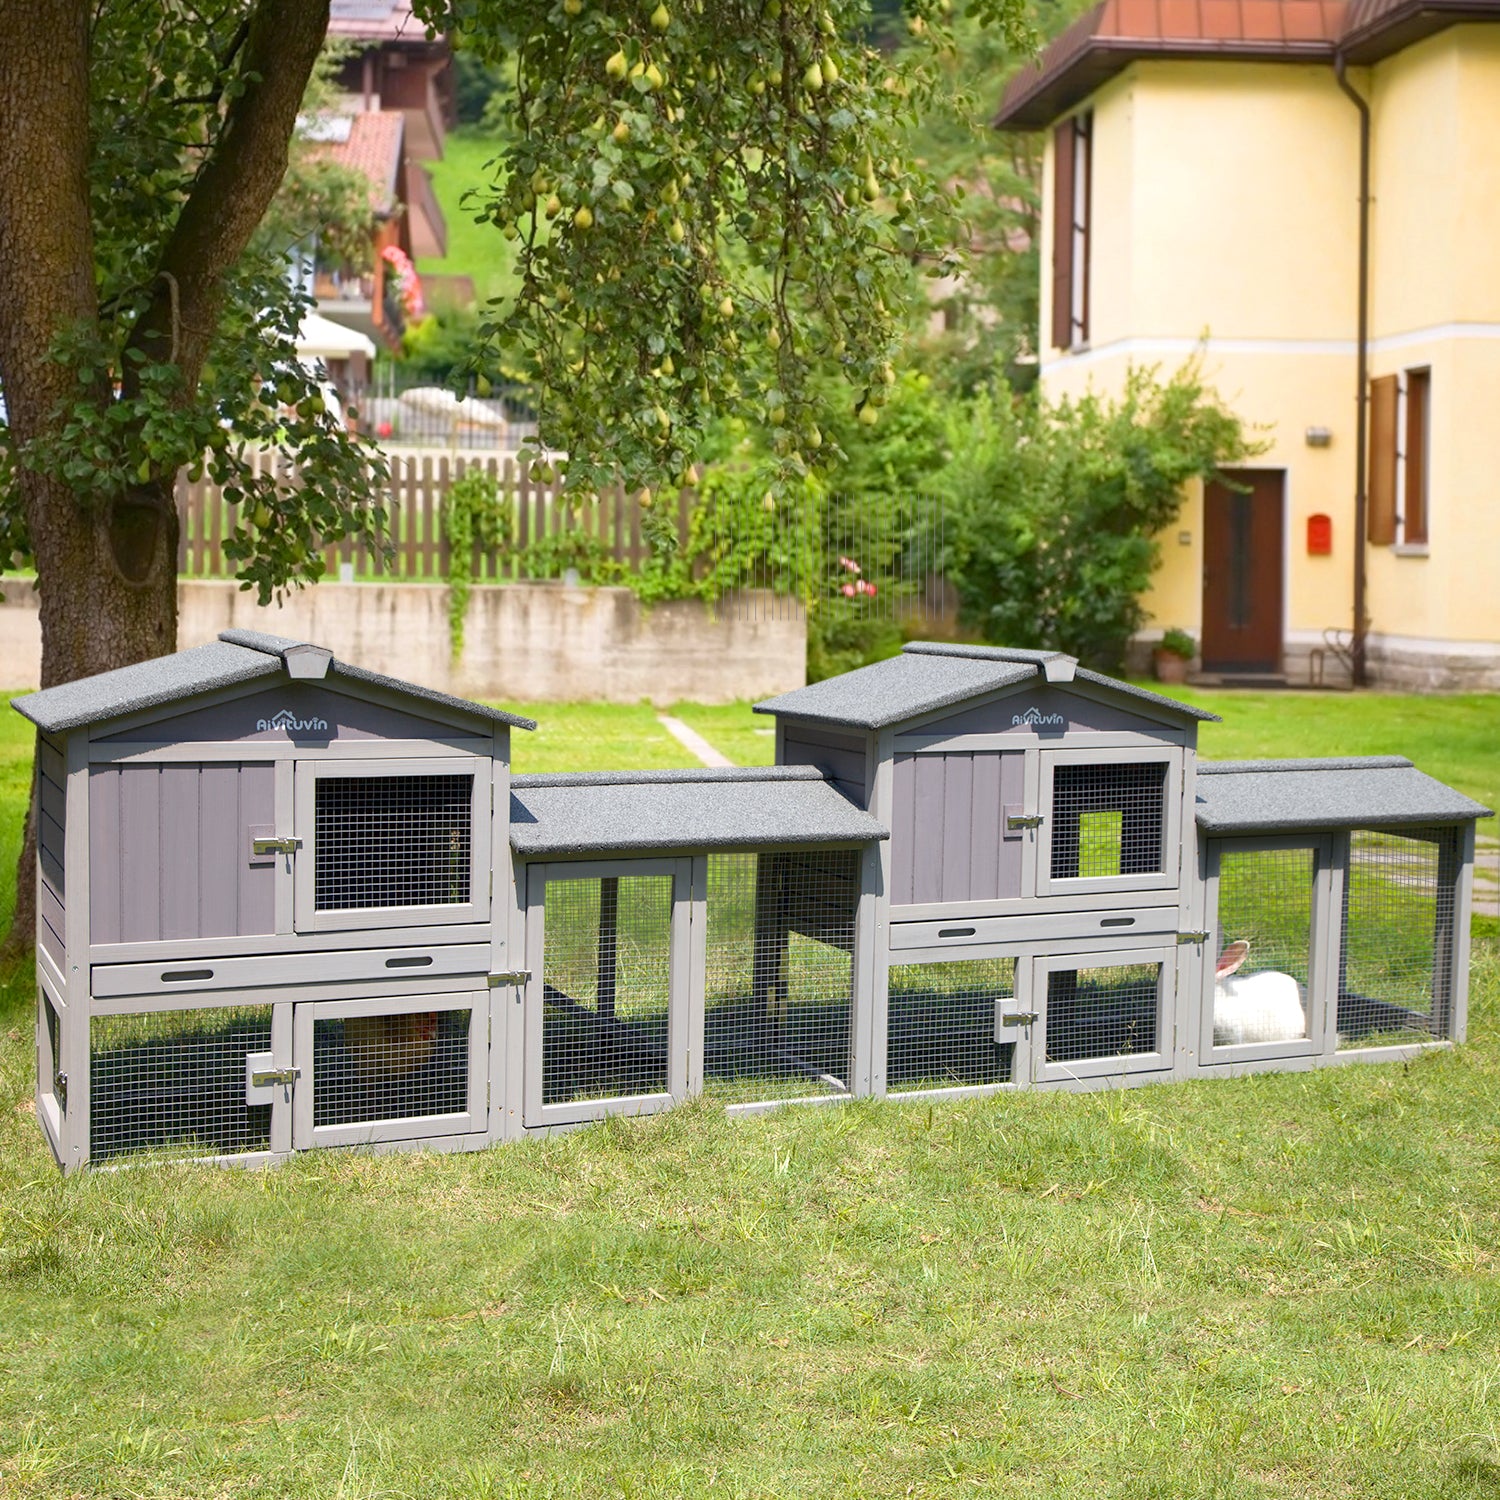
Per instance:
x=1272, y=1286
x=476, y=250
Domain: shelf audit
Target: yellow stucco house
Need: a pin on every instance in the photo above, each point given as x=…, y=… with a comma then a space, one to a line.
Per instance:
x=1307, y=191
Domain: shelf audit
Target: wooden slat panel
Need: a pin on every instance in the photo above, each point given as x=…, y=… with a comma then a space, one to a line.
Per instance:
x=1414, y=505
x=218, y=857
x=1380, y=513
x=256, y=805
x=986, y=814
x=104, y=854
x=958, y=804
x=140, y=853
x=903, y=844
x=1062, y=236
x=179, y=851
x=53, y=762
x=927, y=811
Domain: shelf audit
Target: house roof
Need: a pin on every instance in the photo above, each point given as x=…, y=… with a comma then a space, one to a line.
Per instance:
x=1116, y=33
x=929, y=675
x=1273, y=796
x=743, y=808
x=238, y=656
x=373, y=149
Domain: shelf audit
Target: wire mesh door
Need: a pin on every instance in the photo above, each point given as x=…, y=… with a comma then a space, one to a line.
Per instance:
x=955, y=1025
x=1396, y=960
x=779, y=942
x=1266, y=949
x=178, y=1082
x=393, y=1068
x=1111, y=821
x=392, y=843
x=1104, y=1014
x=607, y=1001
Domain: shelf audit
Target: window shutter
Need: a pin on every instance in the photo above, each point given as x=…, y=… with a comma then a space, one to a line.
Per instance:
x=1414, y=507
x=1380, y=509
x=1062, y=236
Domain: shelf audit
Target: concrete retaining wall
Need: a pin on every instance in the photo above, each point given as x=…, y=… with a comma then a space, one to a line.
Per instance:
x=525, y=642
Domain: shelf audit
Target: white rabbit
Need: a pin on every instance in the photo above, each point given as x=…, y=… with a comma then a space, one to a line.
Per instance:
x=1264, y=1007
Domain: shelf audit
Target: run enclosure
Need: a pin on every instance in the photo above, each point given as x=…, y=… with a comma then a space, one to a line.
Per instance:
x=285, y=903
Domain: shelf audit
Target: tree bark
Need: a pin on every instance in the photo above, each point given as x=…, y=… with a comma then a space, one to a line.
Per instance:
x=107, y=571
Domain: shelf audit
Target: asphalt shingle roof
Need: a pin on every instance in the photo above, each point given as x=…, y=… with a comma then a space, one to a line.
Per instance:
x=743, y=808
x=237, y=656
x=929, y=675
x=1270, y=796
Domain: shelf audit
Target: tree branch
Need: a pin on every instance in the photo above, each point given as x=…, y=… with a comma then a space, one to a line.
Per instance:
x=234, y=188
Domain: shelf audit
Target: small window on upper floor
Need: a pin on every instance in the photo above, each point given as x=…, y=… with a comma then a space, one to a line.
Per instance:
x=1400, y=458
x=1072, y=185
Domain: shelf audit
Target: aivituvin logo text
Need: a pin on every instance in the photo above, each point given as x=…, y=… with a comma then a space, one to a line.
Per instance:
x=1034, y=719
x=288, y=721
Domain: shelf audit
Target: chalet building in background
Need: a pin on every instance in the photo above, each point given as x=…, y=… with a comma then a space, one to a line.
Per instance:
x=1307, y=192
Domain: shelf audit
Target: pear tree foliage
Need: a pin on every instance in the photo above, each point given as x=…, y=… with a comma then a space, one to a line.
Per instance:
x=711, y=210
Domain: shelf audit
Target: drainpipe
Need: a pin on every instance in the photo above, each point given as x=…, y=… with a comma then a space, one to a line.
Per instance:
x=1362, y=363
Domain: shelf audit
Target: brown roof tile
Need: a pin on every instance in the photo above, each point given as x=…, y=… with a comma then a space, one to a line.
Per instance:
x=373, y=148
x=1117, y=33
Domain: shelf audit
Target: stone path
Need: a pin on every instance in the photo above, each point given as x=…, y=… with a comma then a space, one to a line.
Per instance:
x=692, y=741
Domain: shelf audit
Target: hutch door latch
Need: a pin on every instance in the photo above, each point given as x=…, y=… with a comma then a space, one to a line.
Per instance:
x=1183, y=938
x=1023, y=820
x=1019, y=1018
x=513, y=976
x=288, y=845
x=265, y=1078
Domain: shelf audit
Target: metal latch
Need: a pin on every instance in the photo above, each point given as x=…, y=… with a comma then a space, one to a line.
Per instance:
x=288, y=845
x=511, y=976
x=1023, y=820
x=1184, y=938
x=264, y=1078
x=1019, y=1018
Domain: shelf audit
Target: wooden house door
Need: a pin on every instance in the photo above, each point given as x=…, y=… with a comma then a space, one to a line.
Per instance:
x=1243, y=549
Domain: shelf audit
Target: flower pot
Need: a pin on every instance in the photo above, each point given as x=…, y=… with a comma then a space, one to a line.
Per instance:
x=1169, y=667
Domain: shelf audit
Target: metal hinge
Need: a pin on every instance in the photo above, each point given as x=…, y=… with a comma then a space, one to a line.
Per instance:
x=288, y=845
x=1019, y=1018
x=1191, y=937
x=264, y=1078
x=1023, y=820
x=512, y=976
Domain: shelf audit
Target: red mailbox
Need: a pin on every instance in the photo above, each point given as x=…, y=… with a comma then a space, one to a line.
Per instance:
x=1319, y=536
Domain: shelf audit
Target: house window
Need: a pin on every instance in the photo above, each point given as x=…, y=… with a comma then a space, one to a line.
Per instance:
x=1400, y=458
x=1072, y=187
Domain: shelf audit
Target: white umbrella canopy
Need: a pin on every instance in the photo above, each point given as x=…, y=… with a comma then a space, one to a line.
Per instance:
x=438, y=401
x=322, y=338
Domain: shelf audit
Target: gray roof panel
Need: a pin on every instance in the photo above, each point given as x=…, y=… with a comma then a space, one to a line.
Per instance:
x=1270, y=796
x=238, y=656
x=929, y=675
x=147, y=684
x=632, y=812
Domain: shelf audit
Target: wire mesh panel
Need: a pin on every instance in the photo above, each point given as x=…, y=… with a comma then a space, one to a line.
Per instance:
x=175, y=1081
x=392, y=841
x=1265, y=903
x=1109, y=820
x=1396, y=954
x=53, y=1080
x=780, y=937
x=402, y=1066
x=943, y=1023
x=606, y=984
x=1109, y=1011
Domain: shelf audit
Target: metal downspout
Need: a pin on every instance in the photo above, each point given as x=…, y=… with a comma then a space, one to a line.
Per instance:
x=1362, y=361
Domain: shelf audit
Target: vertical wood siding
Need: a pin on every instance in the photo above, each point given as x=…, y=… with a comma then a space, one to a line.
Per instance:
x=840, y=757
x=52, y=818
x=947, y=827
x=169, y=852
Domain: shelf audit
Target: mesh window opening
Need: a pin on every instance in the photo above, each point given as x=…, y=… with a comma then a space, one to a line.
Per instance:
x=780, y=969
x=1266, y=901
x=1396, y=951
x=57, y=1084
x=606, y=983
x=175, y=1081
x=1109, y=820
x=402, y=1066
x=1109, y=1011
x=941, y=1027
x=392, y=841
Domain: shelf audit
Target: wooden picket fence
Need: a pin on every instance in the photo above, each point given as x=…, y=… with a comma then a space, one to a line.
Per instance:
x=413, y=501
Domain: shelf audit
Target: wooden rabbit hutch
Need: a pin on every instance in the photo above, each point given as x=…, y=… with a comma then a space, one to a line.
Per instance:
x=286, y=903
